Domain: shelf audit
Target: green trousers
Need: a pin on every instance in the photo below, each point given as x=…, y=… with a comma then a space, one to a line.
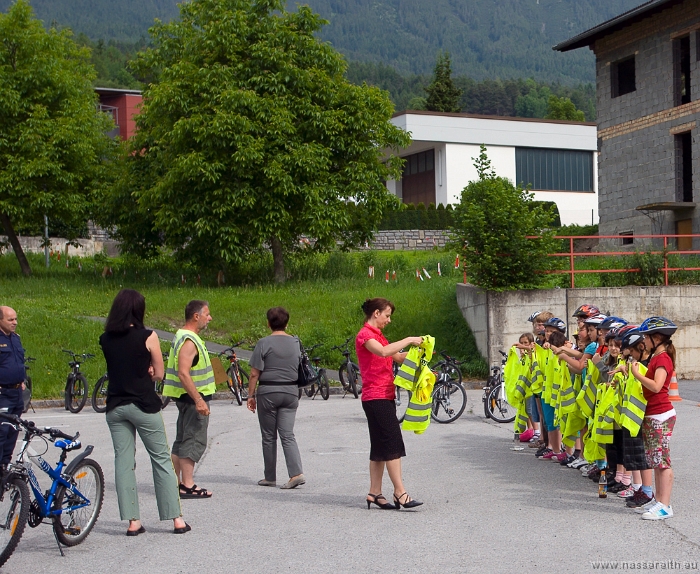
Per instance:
x=124, y=422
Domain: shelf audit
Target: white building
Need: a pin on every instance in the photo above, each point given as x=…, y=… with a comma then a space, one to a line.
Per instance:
x=557, y=158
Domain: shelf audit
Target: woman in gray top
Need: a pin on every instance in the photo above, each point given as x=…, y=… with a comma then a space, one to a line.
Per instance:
x=274, y=368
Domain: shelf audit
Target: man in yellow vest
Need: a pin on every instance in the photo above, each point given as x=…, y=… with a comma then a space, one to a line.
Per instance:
x=189, y=378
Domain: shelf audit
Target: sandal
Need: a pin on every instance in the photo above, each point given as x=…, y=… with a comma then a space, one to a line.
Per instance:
x=375, y=500
x=194, y=492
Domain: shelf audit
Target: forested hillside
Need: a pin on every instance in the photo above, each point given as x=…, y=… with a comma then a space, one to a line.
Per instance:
x=486, y=38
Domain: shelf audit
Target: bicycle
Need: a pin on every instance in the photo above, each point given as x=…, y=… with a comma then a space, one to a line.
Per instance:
x=99, y=394
x=164, y=401
x=73, y=502
x=237, y=379
x=319, y=380
x=496, y=406
x=76, y=392
x=349, y=372
x=449, y=396
x=27, y=392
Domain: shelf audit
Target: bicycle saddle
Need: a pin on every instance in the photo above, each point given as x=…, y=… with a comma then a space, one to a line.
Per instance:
x=67, y=445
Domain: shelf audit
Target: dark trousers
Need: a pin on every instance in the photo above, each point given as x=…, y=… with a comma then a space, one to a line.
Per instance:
x=11, y=402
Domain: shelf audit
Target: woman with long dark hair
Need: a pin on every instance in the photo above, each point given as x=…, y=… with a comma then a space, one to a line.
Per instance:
x=134, y=363
x=375, y=355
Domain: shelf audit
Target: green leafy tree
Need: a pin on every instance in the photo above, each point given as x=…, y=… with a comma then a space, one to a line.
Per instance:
x=443, y=95
x=250, y=136
x=54, y=150
x=492, y=223
x=563, y=109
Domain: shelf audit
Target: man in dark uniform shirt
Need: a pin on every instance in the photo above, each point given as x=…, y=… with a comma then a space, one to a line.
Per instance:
x=11, y=381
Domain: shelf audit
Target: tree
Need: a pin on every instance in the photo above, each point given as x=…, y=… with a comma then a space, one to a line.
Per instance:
x=250, y=136
x=563, y=109
x=492, y=223
x=54, y=149
x=443, y=95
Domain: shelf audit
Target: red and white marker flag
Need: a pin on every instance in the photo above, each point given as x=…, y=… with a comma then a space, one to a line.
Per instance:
x=457, y=262
x=425, y=272
x=439, y=272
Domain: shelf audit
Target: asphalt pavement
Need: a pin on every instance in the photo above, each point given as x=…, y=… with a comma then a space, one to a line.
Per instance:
x=488, y=508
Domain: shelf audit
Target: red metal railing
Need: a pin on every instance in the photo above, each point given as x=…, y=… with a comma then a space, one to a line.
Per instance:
x=572, y=271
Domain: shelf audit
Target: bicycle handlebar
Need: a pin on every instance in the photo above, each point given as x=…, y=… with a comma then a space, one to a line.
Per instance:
x=450, y=359
x=309, y=349
x=30, y=426
x=343, y=346
x=29, y=359
x=75, y=355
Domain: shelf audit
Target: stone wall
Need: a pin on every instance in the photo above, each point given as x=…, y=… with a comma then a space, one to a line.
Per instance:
x=498, y=319
x=409, y=239
x=87, y=248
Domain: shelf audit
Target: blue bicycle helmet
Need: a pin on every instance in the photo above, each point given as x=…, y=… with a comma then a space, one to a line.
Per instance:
x=596, y=320
x=532, y=317
x=631, y=338
x=557, y=323
x=660, y=325
x=612, y=322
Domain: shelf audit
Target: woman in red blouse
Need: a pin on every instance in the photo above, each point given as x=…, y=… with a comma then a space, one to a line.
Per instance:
x=375, y=355
x=660, y=416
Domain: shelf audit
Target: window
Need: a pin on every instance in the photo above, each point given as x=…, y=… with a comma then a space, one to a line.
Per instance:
x=418, y=180
x=681, y=71
x=684, y=166
x=623, y=78
x=627, y=237
x=556, y=170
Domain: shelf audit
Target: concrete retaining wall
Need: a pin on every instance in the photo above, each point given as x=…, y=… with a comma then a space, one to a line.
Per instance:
x=498, y=319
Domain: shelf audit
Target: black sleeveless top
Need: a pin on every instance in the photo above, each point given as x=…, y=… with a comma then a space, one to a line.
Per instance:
x=128, y=360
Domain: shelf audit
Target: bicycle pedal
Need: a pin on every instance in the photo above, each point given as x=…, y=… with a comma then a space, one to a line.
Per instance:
x=72, y=531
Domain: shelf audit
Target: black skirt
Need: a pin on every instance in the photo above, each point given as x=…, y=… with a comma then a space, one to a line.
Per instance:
x=633, y=457
x=386, y=442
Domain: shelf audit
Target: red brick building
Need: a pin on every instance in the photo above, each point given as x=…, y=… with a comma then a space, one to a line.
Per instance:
x=123, y=105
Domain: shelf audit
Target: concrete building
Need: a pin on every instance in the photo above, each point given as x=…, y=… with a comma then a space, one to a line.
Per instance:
x=557, y=158
x=123, y=106
x=648, y=102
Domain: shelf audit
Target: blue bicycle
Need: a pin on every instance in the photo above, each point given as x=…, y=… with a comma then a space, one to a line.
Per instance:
x=72, y=503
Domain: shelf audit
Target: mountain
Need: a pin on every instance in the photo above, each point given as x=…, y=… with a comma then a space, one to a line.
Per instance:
x=486, y=38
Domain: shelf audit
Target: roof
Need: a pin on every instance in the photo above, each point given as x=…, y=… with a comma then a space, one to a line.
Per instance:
x=485, y=117
x=117, y=92
x=616, y=24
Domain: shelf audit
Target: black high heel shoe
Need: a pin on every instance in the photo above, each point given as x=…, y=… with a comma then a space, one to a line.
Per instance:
x=410, y=503
x=375, y=498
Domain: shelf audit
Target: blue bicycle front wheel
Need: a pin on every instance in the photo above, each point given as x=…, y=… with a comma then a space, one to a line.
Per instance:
x=79, y=510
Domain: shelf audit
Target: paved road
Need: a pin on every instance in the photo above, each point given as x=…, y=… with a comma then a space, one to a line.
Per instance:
x=486, y=506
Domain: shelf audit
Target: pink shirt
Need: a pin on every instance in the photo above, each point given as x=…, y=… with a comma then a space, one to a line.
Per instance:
x=377, y=372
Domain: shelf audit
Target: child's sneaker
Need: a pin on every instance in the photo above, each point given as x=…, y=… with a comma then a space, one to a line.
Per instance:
x=579, y=463
x=549, y=455
x=642, y=504
x=527, y=435
x=538, y=444
x=627, y=493
x=586, y=468
x=658, y=512
x=544, y=452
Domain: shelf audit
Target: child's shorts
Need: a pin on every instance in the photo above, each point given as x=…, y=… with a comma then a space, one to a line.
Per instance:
x=657, y=436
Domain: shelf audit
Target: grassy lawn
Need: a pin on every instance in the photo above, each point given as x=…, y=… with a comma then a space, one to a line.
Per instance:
x=52, y=306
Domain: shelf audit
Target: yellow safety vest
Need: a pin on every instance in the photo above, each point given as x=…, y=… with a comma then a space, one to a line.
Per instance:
x=567, y=392
x=536, y=374
x=407, y=377
x=417, y=417
x=634, y=405
x=602, y=432
x=202, y=373
x=587, y=395
x=517, y=383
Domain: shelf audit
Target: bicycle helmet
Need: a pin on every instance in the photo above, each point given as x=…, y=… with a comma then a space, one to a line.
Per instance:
x=631, y=338
x=612, y=333
x=596, y=320
x=612, y=323
x=556, y=323
x=660, y=325
x=532, y=317
x=622, y=331
x=586, y=311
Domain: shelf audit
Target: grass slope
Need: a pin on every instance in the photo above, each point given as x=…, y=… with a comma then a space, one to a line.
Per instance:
x=52, y=306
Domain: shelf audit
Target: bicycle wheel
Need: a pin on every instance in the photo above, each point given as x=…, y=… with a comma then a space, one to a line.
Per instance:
x=14, y=513
x=77, y=394
x=73, y=526
x=159, y=391
x=244, y=383
x=323, y=385
x=310, y=391
x=99, y=394
x=401, y=400
x=499, y=409
x=233, y=385
x=449, y=402
x=352, y=381
x=27, y=394
x=490, y=383
x=343, y=377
